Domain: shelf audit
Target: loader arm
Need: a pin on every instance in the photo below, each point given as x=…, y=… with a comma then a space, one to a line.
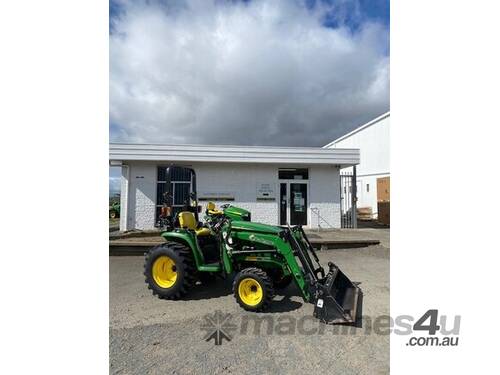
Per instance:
x=334, y=295
x=280, y=246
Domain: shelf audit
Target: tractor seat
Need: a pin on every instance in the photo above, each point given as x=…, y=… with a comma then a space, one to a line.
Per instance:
x=202, y=231
x=212, y=210
x=188, y=220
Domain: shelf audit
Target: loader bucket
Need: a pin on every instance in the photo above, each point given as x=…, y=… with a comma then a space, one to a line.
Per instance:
x=336, y=298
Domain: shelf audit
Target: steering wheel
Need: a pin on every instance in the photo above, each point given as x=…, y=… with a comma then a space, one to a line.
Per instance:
x=219, y=222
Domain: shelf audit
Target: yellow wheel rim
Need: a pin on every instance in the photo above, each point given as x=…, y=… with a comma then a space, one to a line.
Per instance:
x=164, y=272
x=250, y=292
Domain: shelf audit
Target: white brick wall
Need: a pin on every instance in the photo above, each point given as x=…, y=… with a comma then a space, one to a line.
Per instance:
x=142, y=196
x=324, y=192
x=241, y=181
x=124, y=198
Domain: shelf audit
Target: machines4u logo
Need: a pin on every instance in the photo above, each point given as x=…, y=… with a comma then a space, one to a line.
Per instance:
x=439, y=331
x=218, y=326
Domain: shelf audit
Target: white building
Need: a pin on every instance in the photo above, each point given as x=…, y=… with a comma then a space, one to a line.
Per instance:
x=373, y=141
x=276, y=184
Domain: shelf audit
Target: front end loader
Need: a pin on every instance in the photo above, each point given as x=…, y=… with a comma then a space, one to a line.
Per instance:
x=258, y=257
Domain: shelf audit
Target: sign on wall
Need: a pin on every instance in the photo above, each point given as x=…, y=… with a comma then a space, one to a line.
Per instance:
x=216, y=196
x=265, y=192
x=298, y=201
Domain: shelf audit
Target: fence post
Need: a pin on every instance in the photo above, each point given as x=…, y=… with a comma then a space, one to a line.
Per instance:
x=354, y=198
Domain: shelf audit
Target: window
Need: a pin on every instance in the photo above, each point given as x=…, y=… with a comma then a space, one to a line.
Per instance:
x=367, y=188
x=293, y=174
x=180, y=188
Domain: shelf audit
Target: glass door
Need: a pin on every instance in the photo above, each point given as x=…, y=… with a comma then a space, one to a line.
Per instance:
x=293, y=203
x=298, y=203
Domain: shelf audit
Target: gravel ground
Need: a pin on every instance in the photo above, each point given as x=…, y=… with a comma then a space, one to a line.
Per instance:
x=149, y=335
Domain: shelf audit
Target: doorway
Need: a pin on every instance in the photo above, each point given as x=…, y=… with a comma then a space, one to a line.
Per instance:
x=293, y=203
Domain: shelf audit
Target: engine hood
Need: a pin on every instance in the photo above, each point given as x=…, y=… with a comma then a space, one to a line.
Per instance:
x=255, y=227
x=237, y=213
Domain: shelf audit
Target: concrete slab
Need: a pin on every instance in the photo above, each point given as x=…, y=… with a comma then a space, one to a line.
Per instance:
x=135, y=243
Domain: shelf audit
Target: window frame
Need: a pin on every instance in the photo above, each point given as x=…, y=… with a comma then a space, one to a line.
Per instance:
x=299, y=171
x=173, y=182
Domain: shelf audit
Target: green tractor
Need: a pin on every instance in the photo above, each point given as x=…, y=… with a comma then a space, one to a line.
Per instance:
x=259, y=257
x=114, y=210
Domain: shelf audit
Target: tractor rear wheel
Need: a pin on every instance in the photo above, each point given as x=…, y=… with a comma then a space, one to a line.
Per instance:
x=253, y=289
x=169, y=270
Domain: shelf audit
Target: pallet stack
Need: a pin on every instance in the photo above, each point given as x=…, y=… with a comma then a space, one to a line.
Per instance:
x=365, y=213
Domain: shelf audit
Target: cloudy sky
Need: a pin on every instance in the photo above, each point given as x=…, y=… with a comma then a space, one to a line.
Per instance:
x=284, y=73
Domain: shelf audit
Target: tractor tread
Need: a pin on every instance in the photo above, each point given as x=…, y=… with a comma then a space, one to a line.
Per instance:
x=184, y=255
x=267, y=285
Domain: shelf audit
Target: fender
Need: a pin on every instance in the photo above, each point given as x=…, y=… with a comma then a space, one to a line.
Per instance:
x=189, y=239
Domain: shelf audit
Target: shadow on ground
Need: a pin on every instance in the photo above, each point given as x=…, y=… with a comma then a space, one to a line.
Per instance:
x=282, y=306
x=371, y=224
x=220, y=288
x=214, y=289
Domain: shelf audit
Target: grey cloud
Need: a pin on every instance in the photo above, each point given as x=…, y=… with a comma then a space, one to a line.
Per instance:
x=114, y=185
x=266, y=73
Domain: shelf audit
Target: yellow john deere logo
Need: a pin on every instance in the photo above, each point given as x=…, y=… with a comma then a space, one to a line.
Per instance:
x=254, y=238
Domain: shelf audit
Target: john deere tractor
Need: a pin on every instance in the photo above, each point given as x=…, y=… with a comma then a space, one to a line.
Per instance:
x=114, y=210
x=258, y=257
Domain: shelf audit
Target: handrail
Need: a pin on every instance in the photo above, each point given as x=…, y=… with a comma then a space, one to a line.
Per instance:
x=315, y=210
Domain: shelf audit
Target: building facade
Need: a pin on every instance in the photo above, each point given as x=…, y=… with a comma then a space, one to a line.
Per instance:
x=278, y=185
x=373, y=172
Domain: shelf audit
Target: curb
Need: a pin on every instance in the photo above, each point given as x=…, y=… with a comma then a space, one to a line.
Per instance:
x=127, y=247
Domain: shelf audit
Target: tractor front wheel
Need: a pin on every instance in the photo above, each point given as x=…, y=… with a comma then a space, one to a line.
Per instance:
x=253, y=289
x=169, y=270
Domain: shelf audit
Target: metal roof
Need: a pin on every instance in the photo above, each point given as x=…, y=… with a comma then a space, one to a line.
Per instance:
x=122, y=152
x=358, y=129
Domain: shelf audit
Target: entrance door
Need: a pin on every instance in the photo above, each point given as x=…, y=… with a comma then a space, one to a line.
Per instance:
x=298, y=204
x=293, y=203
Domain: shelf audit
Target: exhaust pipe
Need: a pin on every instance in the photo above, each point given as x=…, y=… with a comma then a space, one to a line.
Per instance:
x=336, y=298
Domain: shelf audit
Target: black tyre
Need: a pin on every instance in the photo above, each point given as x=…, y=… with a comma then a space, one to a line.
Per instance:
x=253, y=289
x=169, y=270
